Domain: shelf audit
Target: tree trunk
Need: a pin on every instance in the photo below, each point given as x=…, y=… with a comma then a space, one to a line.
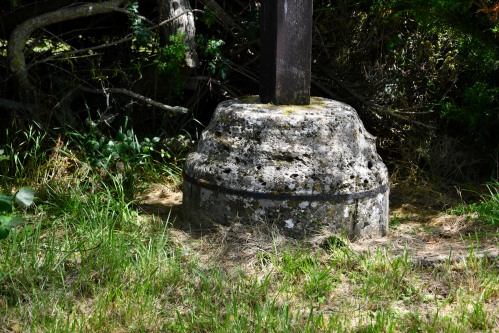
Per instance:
x=183, y=23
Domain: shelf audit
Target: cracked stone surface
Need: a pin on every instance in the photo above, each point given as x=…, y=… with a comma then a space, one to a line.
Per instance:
x=307, y=169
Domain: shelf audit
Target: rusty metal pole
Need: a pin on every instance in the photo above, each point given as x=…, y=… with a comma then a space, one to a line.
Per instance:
x=286, y=52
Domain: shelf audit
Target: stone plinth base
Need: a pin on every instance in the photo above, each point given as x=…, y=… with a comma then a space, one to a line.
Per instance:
x=304, y=168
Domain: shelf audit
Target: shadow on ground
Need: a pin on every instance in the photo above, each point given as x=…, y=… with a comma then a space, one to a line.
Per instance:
x=419, y=225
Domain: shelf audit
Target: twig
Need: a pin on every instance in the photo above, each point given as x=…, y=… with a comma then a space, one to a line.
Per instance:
x=216, y=82
x=176, y=17
x=363, y=305
x=221, y=15
x=103, y=46
x=370, y=104
x=20, y=35
x=237, y=68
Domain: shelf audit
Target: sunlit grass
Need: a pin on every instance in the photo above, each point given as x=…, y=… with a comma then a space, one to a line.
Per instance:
x=90, y=260
x=487, y=208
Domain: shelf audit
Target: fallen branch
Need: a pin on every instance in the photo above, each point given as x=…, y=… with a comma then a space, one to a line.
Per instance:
x=11, y=105
x=147, y=100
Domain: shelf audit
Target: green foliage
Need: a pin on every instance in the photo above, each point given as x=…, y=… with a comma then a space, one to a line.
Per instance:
x=212, y=51
x=216, y=64
x=487, y=209
x=3, y=157
x=394, y=221
x=477, y=111
x=169, y=58
x=170, y=61
x=8, y=218
x=457, y=41
x=435, y=62
x=15, y=3
x=120, y=156
x=24, y=151
x=125, y=147
x=208, y=18
x=143, y=35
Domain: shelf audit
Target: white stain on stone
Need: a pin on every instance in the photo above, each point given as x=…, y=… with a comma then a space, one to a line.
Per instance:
x=289, y=223
x=304, y=204
x=258, y=214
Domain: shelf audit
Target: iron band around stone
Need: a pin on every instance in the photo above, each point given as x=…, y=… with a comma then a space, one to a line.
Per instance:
x=286, y=197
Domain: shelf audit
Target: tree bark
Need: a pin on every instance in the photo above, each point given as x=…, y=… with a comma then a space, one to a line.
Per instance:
x=181, y=24
x=20, y=35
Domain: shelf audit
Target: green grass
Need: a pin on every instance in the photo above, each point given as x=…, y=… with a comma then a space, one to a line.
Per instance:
x=89, y=260
x=487, y=208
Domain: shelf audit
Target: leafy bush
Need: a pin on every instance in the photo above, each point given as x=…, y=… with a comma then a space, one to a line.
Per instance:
x=212, y=52
x=125, y=147
x=170, y=59
x=426, y=69
x=477, y=112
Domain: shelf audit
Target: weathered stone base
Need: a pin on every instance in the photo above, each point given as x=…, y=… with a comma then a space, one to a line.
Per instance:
x=307, y=169
x=357, y=218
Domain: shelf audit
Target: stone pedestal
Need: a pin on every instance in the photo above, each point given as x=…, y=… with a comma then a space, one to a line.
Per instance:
x=307, y=169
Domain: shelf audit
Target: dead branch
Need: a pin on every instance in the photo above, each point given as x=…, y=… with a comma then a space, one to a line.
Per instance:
x=241, y=70
x=103, y=46
x=221, y=15
x=10, y=105
x=369, y=105
x=195, y=80
x=147, y=100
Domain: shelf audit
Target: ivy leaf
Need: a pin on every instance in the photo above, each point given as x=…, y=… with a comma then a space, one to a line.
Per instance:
x=25, y=196
x=10, y=221
x=4, y=232
x=5, y=203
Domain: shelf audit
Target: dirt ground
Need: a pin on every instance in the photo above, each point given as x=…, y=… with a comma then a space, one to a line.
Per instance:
x=419, y=225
